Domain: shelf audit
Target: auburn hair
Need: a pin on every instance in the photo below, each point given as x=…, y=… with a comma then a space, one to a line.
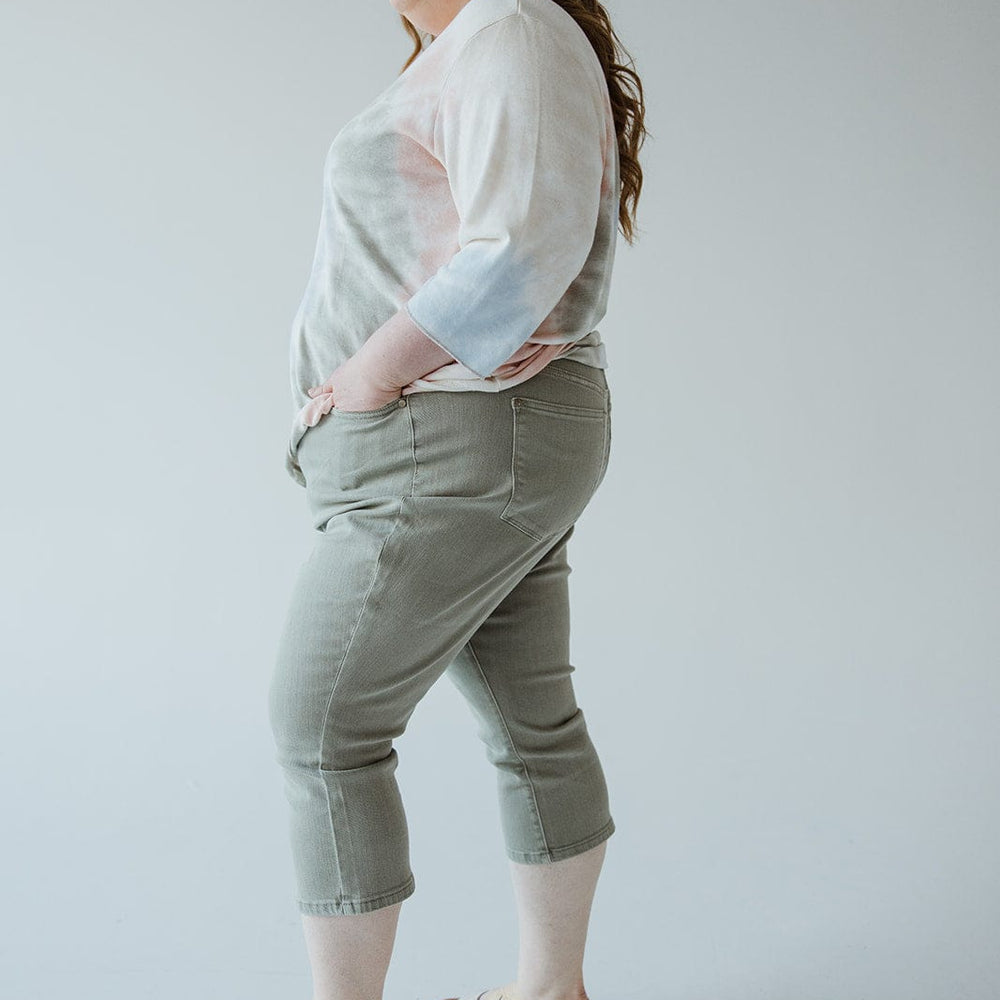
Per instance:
x=624, y=89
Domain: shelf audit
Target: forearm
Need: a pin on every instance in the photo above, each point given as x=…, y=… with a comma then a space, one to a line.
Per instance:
x=399, y=352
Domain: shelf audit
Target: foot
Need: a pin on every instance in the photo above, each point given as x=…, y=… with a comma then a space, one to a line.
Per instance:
x=507, y=992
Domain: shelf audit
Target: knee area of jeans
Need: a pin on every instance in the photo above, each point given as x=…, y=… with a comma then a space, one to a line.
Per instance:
x=293, y=729
x=557, y=735
x=301, y=748
x=348, y=764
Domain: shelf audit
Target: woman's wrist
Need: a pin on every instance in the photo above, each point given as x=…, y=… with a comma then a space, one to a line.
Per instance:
x=399, y=352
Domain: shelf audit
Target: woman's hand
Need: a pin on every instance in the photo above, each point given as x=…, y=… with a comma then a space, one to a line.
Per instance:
x=351, y=386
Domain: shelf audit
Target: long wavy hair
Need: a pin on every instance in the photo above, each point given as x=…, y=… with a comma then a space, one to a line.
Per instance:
x=624, y=88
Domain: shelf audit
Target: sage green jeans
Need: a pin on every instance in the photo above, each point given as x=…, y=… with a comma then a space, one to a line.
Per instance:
x=442, y=521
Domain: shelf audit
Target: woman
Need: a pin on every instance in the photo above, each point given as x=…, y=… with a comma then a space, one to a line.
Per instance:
x=452, y=423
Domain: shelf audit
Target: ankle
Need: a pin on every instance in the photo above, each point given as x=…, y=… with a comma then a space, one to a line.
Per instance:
x=540, y=991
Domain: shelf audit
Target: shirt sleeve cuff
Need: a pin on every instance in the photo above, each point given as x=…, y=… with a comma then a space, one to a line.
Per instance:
x=479, y=361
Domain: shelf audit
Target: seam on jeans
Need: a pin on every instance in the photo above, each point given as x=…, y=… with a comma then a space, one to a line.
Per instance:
x=607, y=450
x=343, y=905
x=573, y=377
x=413, y=450
x=567, y=850
x=513, y=746
x=510, y=519
x=340, y=668
x=357, y=623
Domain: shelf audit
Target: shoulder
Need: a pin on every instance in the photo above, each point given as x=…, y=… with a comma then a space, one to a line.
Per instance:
x=534, y=37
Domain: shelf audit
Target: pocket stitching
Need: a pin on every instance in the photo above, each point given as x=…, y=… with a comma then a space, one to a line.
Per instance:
x=548, y=404
x=573, y=377
x=570, y=409
x=361, y=414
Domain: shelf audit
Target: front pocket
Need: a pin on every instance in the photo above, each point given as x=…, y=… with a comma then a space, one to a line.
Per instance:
x=393, y=404
x=558, y=458
x=355, y=453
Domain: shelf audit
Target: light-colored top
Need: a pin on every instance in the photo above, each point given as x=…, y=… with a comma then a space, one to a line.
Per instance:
x=480, y=191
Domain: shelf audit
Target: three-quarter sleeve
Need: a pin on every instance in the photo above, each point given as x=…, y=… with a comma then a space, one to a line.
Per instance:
x=520, y=130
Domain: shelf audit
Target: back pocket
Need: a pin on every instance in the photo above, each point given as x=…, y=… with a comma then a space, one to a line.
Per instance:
x=560, y=453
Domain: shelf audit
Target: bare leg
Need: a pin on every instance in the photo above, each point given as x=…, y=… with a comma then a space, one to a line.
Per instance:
x=553, y=905
x=349, y=954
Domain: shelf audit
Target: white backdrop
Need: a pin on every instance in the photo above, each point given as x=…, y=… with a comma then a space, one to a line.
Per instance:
x=785, y=592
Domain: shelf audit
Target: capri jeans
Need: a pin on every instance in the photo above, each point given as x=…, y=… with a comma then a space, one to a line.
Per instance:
x=442, y=522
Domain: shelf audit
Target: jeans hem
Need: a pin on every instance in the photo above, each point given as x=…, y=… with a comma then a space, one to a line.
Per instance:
x=567, y=851
x=332, y=908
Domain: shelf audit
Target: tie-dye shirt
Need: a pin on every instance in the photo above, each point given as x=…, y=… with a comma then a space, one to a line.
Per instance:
x=479, y=191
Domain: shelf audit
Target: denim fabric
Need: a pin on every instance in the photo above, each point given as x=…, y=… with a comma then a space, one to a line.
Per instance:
x=442, y=522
